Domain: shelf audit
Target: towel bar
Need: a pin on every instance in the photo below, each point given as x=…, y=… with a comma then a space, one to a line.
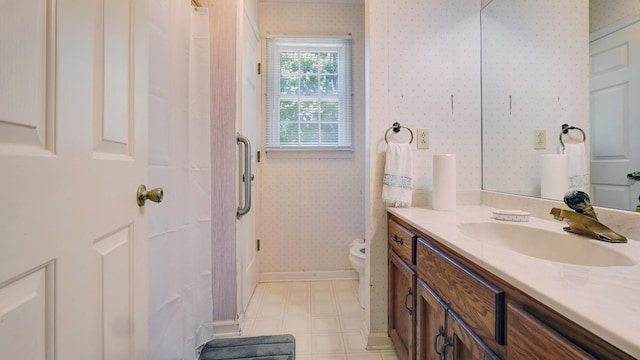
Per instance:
x=565, y=130
x=396, y=129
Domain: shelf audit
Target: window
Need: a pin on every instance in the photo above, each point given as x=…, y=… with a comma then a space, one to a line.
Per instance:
x=309, y=93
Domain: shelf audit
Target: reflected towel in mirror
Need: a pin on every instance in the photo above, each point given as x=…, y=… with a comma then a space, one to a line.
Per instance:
x=578, y=166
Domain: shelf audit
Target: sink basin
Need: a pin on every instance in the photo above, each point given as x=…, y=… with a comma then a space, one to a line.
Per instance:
x=545, y=244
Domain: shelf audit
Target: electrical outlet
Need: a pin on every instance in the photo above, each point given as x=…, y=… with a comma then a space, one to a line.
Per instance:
x=423, y=138
x=539, y=139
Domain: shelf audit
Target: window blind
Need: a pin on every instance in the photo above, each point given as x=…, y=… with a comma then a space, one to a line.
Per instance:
x=309, y=93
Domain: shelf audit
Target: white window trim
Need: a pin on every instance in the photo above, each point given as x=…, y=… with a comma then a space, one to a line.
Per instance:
x=346, y=142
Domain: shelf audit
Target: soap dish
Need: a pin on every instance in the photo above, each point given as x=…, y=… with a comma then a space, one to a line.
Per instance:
x=511, y=215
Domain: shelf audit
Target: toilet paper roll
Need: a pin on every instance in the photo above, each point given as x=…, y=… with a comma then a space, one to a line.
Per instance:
x=444, y=182
x=554, y=176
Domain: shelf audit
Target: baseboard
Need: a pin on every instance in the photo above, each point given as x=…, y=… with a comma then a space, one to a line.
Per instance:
x=379, y=341
x=226, y=328
x=309, y=276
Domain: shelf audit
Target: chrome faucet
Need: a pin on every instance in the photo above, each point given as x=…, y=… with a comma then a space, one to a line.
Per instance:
x=584, y=220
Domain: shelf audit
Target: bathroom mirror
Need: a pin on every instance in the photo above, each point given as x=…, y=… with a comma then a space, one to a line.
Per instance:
x=535, y=77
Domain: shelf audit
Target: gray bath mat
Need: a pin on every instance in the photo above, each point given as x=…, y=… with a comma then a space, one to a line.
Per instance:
x=273, y=347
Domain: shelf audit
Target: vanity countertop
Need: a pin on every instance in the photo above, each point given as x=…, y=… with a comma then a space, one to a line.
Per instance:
x=604, y=300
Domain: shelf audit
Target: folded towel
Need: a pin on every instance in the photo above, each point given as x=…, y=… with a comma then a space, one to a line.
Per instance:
x=578, y=166
x=398, y=170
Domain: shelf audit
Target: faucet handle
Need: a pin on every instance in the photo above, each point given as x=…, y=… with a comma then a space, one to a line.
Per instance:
x=580, y=202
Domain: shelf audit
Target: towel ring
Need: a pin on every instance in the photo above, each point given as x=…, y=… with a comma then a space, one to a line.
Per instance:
x=396, y=129
x=565, y=130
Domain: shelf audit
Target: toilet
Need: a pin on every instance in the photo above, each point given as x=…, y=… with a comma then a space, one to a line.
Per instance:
x=357, y=260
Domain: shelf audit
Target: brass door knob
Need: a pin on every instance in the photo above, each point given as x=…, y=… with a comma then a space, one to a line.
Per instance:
x=634, y=176
x=154, y=195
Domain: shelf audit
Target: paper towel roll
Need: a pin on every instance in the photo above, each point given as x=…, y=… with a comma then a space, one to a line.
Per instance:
x=554, y=176
x=444, y=182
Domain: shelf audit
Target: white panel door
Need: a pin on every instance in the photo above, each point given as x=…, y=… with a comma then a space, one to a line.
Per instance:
x=247, y=225
x=615, y=118
x=73, y=150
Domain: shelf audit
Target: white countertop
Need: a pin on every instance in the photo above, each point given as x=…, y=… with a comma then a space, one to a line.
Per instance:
x=604, y=300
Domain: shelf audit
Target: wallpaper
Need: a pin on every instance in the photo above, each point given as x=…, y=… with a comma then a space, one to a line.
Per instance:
x=311, y=209
x=606, y=12
x=420, y=53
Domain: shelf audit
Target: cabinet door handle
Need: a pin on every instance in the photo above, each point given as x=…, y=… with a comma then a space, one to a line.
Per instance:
x=443, y=349
x=395, y=238
x=410, y=310
x=447, y=342
x=435, y=340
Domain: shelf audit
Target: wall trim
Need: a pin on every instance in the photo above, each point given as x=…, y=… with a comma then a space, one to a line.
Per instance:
x=379, y=341
x=309, y=276
x=225, y=329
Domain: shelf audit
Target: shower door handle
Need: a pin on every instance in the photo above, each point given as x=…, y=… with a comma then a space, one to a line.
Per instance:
x=244, y=180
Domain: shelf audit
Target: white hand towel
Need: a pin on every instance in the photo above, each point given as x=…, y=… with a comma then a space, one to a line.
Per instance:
x=398, y=170
x=578, y=166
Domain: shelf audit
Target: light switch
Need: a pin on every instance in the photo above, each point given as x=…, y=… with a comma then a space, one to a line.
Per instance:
x=539, y=139
x=423, y=138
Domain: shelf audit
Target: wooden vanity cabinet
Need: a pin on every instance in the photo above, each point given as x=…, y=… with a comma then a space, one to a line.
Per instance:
x=465, y=312
x=402, y=285
x=441, y=334
x=532, y=339
x=401, y=290
x=458, y=311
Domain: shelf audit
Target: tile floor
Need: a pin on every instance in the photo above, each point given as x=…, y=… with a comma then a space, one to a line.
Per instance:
x=324, y=316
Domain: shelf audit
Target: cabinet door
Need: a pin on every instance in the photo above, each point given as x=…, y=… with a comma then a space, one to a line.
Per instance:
x=430, y=323
x=402, y=280
x=529, y=338
x=464, y=344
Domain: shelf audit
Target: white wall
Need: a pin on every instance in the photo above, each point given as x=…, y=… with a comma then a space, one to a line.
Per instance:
x=420, y=53
x=311, y=209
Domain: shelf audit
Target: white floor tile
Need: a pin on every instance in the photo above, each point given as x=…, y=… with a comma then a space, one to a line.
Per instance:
x=354, y=342
x=324, y=317
x=350, y=308
x=297, y=309
x=372, y=355
x=329, y=357
x=345, y=285
x=327, y=343
x=270, y=310
x=389, y=355
x=351, y=322
x=303, y=344
x=301, y=324
x=265, y=326
x=323, y=308
x=325, y=325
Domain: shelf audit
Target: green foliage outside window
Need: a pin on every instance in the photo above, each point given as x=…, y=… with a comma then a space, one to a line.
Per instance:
x=309, y=113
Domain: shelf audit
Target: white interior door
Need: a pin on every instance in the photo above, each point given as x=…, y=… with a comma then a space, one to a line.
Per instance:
x=247, y=225
x=73, y=142
x=615, y=109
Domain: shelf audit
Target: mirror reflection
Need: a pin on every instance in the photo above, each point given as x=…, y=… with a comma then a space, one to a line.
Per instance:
x=540, y=62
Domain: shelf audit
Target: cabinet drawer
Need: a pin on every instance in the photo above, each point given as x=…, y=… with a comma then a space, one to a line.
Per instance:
x=477, y=302
x=402, y=241
x=531, y=339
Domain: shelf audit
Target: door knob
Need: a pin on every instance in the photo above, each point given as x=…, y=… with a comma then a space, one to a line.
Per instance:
x=634, y=176
x=154, y=195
